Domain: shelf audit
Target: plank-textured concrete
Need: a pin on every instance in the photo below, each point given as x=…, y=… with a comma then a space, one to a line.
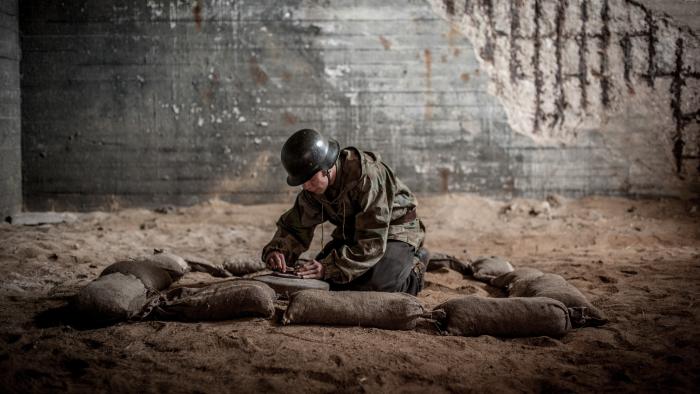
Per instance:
x=10, y=133
x=178, y=101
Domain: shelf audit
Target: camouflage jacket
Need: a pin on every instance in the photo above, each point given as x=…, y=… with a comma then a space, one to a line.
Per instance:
x=364, y=200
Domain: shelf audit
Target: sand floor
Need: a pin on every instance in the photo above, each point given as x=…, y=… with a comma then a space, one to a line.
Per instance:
x=638, y=260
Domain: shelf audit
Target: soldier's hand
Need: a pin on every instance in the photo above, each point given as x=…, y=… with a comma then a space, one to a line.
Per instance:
x=311, y=270
x=275, y=261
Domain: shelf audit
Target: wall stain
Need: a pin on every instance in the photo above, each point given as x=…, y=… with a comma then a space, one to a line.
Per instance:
x=444, y=179
x=259, y=75
x=197, y=13
x=428, y=59
x=452, y=36
x=385, y=43
x=289, y=118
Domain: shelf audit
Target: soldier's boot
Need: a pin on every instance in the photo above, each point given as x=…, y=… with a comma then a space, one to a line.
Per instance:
x=437, y=261
x=421, y=266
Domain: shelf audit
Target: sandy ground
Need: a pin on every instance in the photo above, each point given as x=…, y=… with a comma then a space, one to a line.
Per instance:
x=639, y=261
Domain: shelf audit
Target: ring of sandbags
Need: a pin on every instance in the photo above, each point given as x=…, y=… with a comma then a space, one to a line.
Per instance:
x=538, y=303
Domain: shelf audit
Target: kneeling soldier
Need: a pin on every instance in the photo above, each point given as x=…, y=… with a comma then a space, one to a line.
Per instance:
x=377, y=241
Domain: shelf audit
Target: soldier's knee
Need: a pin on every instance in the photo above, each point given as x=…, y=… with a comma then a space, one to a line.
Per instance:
x=389, y=285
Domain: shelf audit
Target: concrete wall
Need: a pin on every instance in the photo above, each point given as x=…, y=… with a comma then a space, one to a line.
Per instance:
x=178, y=101
x=10, y=134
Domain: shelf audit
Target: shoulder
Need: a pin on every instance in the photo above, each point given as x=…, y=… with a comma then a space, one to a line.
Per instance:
x=357, y=163
x=363, y=170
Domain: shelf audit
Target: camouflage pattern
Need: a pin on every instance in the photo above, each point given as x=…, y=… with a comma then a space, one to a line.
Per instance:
x=364, y=200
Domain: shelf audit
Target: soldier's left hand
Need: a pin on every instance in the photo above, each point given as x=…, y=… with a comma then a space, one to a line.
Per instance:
x=311, y=270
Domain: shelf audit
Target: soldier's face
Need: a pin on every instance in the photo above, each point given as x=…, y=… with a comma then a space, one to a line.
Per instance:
x=317, y=184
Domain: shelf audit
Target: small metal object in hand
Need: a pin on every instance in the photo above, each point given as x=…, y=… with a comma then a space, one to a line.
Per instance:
x=289, y=273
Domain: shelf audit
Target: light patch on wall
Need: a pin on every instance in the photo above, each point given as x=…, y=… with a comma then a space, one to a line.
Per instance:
x=564, y=68
x=560, y=67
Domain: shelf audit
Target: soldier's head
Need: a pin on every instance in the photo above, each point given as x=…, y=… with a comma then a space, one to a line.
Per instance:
x=308, y=158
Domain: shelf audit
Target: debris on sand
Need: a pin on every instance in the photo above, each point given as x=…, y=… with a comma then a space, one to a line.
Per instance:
x=39, y=218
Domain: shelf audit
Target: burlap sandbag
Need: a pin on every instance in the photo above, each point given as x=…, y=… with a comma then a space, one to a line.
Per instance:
x=243, y=265
x=503, y=317
x=153, y=277
x=198, y=264
x=219, y=301
x=175, y=265
x=556, y=287
x=111, y=298
x=393, y=311
x=506, y=280
x=487, y=268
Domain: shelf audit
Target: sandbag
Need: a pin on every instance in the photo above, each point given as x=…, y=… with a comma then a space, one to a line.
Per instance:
x=198, y=264
x=393, y=311
x=487, y=268
x=111, y=298
x=556, y=287
x=219, y=301
x=175, y=265
x=503, y=317
x=153, y=277
x=506, y=280
x=285, y=287
x=242, y=265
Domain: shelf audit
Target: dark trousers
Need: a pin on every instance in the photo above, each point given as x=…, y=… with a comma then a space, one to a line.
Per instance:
x=392, y=273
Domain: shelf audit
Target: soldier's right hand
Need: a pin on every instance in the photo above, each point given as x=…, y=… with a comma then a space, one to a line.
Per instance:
x=276, y=262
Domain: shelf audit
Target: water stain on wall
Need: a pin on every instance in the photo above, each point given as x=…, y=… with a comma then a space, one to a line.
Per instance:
x=428, y=59
x=385, y=42
x=258, y=74
x=197, y=14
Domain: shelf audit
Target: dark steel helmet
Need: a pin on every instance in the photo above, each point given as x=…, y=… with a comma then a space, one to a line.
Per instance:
x=305, y=153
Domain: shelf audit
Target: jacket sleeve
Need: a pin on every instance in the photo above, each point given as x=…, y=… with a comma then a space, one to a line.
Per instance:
x=375, y=194
x=295, y=229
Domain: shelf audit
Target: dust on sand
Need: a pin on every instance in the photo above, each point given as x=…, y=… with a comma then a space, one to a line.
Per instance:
x=637, y=260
